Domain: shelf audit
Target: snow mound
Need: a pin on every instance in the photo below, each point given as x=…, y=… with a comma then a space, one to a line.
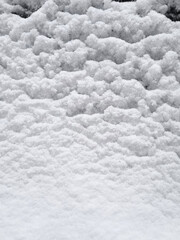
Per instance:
x=89, y=120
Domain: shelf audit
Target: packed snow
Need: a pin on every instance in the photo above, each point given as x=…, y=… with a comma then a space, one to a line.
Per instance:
x=89, y=120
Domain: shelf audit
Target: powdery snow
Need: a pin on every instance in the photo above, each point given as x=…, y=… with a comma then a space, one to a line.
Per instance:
x=89, y=121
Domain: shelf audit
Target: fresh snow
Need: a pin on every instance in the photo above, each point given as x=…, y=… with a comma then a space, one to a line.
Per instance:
x=89, y=121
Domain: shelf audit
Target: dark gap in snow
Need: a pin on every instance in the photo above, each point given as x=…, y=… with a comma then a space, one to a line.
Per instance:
x=24, y=13
x=23, y=10
x=173, y=13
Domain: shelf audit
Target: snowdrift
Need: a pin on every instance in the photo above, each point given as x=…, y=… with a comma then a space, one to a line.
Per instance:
x=90, y=120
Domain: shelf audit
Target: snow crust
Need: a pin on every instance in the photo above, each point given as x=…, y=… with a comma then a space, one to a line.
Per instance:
x=89, y=122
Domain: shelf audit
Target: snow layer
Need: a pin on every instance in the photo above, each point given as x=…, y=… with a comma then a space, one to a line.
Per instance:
x=90, y=122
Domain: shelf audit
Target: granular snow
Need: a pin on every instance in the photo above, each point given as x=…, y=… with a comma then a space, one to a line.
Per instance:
x=89, y=121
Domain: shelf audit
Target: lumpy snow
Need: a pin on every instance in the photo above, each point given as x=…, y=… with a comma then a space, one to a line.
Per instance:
x=89, y=120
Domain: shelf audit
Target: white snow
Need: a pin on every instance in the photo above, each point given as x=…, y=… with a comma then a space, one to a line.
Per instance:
x=89, y=121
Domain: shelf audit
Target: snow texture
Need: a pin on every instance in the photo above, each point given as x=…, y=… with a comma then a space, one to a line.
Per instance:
x=89, y=121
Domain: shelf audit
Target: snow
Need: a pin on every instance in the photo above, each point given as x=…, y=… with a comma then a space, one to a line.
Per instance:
x=89, y=121
x=144, y=6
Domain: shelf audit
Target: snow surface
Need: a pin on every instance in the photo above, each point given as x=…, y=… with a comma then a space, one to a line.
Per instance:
x=89, y=122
